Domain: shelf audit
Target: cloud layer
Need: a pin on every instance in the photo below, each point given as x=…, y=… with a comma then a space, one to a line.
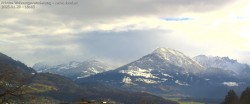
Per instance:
x=119, y=31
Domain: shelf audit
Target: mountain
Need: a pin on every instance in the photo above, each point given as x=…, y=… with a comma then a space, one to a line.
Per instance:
x=73, y=69
x=9, y=62
x=168, y=72
x=33, y=88
x=165, y=57
x=41, y=67
x=164, y=71
x=224, y=63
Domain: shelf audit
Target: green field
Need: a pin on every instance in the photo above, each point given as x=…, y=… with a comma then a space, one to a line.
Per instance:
x=184, y=102
x=41, y=87
x=181, y=102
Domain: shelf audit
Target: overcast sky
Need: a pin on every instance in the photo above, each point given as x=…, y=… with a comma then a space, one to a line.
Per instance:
x=121, y=31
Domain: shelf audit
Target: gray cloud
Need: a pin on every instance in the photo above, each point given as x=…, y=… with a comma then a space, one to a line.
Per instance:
x=34, y=35
x=102, y=10
x=116, y=47
x=121, y=46
x=46, y=19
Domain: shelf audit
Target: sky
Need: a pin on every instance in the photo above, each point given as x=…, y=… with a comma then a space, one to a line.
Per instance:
x=121, y=31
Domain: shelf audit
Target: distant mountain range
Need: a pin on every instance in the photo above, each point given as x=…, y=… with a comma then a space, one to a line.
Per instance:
x=52, y=88
x=165, y=72
x=224, y=63
x=168, y=72
x=73, y=69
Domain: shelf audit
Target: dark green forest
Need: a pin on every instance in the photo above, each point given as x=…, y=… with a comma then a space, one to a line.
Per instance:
x=233, y=98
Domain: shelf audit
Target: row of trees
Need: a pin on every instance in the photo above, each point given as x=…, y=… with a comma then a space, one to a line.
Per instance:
x=232, y=98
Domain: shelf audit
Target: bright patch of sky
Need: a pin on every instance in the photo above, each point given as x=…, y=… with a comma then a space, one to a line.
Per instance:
x=177, y=19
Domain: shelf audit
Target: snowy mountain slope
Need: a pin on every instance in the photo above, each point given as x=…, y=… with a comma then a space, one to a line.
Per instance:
x=162, y=66
x=73, y=69
x=164, y=59
x=177, y=58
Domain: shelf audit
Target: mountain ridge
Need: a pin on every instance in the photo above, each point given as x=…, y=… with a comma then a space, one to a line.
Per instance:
x=4, y=59
x=169, y=72
x=224, y=63
x=74, y=69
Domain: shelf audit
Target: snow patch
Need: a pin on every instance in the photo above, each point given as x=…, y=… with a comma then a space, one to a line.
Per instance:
x=93, y=70
x=181, y=83
x=207, y=79
x=231, y=84
x=167, y=75
x=136, y=71
x=80, y=77
x=164, y=79
x=148, y=81
x=127, y=80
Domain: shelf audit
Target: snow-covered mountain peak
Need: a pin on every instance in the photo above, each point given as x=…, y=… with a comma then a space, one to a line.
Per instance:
x=166, y=52
x=221, y=62
x=74, y=69
x=171, y=55
x=74, y=64
x=40, y=66
x=215, y=58
x=168, y=59
x=176, y=58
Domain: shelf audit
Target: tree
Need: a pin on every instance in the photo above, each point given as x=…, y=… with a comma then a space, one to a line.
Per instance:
x=231, y=98
x=245, y=96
